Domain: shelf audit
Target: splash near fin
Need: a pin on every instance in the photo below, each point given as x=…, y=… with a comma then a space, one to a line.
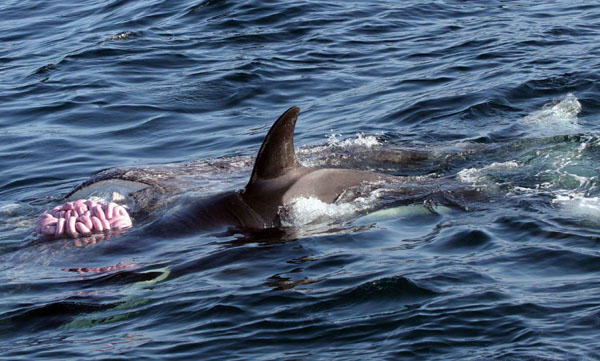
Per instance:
x=277, y=156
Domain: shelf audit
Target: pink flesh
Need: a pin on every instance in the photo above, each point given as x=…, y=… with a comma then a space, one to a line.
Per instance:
x=82, y=217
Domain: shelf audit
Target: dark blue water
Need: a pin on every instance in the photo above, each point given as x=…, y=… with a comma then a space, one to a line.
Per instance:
x=502, y=96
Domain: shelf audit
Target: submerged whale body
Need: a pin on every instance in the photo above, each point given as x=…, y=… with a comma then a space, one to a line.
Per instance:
x=277, y=179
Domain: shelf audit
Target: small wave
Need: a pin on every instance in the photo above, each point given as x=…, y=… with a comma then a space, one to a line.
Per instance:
x=562, y=114
x=394, y=288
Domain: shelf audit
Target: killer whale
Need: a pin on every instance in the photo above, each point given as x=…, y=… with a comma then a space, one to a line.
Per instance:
x=277, y=178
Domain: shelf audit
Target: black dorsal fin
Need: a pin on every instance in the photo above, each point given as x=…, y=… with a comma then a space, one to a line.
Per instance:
x=277, y=156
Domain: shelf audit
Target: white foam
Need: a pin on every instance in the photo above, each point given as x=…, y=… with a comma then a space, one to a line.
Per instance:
x=361, y=140
x=124, y=35
x=481, y=176
x=578, y=204
x=334, y=144
x=561, y=114
x=567, y=169
x=309, y=210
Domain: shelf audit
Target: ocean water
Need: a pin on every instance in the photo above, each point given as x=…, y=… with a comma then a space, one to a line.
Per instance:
x=497, y=258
